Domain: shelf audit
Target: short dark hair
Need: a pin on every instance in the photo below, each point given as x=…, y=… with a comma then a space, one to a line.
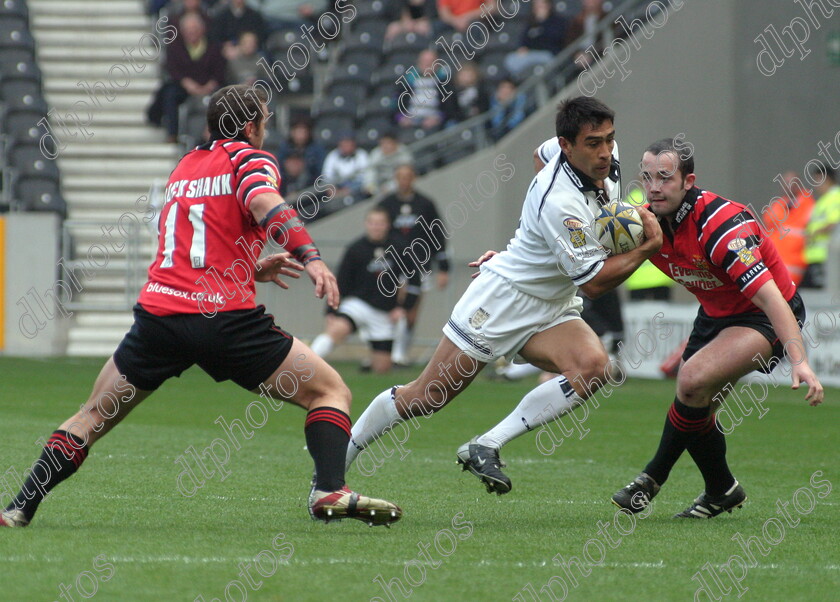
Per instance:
x=379, y=209
x=685, y=159
x=232, y=107
x=817, y=168
x=577, y=112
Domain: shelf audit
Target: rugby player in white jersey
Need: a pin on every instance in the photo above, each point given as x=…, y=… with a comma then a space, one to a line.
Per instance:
x=524, y=301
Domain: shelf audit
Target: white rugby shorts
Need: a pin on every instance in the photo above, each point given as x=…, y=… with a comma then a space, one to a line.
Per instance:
x=372, y=324
x=493, y=319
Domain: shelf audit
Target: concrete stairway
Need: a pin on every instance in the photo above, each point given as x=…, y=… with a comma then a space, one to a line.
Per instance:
x=107, y=45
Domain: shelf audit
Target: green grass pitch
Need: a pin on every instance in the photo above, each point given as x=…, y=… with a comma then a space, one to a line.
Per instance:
x=120, y=529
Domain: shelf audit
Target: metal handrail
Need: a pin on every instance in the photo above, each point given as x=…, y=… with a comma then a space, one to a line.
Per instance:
x=472, y=134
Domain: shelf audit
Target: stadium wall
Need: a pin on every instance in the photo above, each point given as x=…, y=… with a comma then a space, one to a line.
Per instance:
x=696, y=75
x=29, y=252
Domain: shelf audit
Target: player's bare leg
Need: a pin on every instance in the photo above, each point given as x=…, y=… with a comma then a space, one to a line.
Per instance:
x=404, y=335
x=380, y=361
x=337, y=329
x=701, y=384
x=110, y=401
x=448, y=372
x=308, y=381
x=579, y=371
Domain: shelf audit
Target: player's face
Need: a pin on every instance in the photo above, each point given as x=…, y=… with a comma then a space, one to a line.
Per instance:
x=377, y=226
x=665, y=186
x=404, y=177
x=591, y=151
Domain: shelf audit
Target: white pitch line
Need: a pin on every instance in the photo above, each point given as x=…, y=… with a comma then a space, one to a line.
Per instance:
x=390, y=562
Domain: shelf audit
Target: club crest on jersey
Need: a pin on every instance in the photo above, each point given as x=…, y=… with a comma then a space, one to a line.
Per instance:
x=576, y=234
x=745, y=254
x=271, y=177
x=478, y=318
x=700, y=263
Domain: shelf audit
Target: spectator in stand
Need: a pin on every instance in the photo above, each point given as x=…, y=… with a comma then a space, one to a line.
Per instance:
x=789, y=238
x=412, y=215
x=824, y=219
x=458, y=14
x=468, y=97
x=541, y=41
x=195, y=67
x=423, y=108
x=366, y=305
x=290, y=14
x=507, y=108
x=242, y=68
x=300, y=141
x=178, y=10
x=384, y=159
x=345, y=166
x=585, y=24
x=294, y=177
x=229, y=25
x=410, y=16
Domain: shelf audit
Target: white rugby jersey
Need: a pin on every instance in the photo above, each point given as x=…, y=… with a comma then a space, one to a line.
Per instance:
x=553, y=251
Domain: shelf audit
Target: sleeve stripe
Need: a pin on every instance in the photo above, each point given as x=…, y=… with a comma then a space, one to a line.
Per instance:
x=254, y=189
x=734, y=257
x=709, y=211
x=716, y=238
x=542, y=154
x=753, y=279
x=588, y=274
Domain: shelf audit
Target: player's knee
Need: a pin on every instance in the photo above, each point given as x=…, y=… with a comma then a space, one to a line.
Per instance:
x=692, y=386
x=593, y=366
x=326, y=387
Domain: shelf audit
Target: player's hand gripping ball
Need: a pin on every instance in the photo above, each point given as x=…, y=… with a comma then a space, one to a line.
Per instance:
x=618, y=228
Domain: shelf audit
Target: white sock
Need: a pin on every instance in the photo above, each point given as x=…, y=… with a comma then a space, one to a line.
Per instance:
x=517, y=371
x=402, y=342
x=322, y=345
x=540, y=406
x=380, y=415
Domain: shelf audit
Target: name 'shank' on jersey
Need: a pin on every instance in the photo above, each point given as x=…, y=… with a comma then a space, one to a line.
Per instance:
x=200, y=187
x=208, y=241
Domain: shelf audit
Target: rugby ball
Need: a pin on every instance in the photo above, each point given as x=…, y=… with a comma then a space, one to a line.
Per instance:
x=618, y=228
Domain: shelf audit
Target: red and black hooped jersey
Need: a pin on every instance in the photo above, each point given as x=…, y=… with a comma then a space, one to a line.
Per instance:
x=718, y=252
x=208, y=240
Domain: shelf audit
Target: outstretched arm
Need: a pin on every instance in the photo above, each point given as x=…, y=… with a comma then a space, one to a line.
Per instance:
x=770, y=300
x=282, y=224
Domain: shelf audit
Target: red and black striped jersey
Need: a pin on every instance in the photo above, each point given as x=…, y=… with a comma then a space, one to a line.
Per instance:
x=717, y=250
x=208, y=241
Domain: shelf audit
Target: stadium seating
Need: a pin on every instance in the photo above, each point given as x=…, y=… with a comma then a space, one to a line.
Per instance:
x=36, y=180
x=30, y=181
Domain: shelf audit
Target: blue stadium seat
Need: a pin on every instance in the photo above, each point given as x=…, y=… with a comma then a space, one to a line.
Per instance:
x=329, y=128
x=350, y=73
x=408, y=42
x=14, y=8
x=37, y=179
x=372, y=128
x=23, y=114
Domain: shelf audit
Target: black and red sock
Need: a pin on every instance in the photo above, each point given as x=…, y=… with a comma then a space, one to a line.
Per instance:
x=708, y=451
x=327, y=433
x=62, y=456
x=682, y=425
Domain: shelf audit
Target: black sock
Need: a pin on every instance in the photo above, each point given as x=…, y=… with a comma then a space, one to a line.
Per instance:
x=61, y=457
x=709, y=453
x=327, y=435
x=682, y=425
